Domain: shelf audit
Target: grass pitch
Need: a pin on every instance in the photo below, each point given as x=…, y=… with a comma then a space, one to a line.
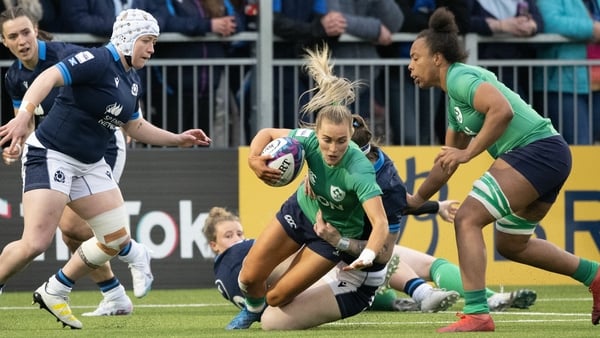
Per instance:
x=560, y=311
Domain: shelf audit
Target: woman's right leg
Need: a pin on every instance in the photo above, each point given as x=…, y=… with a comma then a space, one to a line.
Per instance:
x=271, y=247
x=42, y=209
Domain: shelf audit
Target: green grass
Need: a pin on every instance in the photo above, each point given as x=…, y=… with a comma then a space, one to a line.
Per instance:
x=560, y=311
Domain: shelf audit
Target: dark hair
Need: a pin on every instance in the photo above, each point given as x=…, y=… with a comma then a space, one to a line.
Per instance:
x=363, y=137
x=17, y=12
x=442, y=36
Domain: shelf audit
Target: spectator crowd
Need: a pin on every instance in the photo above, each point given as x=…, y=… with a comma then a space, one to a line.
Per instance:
x=220, y=98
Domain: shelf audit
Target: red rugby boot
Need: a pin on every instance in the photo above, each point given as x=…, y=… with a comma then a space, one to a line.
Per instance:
x=471, y=323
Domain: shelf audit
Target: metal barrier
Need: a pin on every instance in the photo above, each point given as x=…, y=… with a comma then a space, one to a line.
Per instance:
x=242, y=92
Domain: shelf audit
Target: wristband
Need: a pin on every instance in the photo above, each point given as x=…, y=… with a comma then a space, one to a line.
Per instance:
x=367, y=256
x=343, y=244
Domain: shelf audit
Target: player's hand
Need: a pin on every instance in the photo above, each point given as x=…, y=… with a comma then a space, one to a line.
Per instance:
x=365, y=260
x=16, y=130
x=307, y=189
x=258, y=164
x=11, y=157
x=326, y=231
x=448, y=209
x=193, y=137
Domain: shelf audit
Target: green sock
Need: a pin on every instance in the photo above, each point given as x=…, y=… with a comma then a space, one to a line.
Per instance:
x=586, y=271
x=475, y=302
x=446, y=275
x=255, y=304
x=384, y=301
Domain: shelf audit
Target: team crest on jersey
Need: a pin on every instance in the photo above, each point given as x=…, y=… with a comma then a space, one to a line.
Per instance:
x=26, y=84
x=117, y=82
x=337, y=193
x=134, y=89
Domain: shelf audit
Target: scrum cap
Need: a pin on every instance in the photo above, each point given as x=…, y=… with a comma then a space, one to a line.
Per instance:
x=129, y=26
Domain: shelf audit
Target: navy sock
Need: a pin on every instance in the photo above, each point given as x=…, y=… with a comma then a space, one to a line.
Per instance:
x=61, y=277
x=125, y=250
x=109, y=284
x=412, y=285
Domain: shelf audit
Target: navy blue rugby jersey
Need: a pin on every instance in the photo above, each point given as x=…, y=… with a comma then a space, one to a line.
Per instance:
x=394, y=200
x=227, y=268
x=18, y=78
x=98, y=97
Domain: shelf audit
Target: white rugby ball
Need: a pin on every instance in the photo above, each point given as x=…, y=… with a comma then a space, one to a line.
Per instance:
x=288, y=157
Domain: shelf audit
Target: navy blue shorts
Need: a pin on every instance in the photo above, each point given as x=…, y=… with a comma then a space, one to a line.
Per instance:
x=300, y=229
x=546, y=163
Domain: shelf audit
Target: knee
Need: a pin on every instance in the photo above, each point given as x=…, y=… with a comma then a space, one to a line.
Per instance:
x=268, y=322
x=34, y=248
x=510, y=249
x=461, y=219
x=277, y=297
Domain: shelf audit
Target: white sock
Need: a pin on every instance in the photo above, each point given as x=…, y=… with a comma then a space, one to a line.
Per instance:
x=134, y=252
x=116, y=293
x=422, y=292
x=55, y=287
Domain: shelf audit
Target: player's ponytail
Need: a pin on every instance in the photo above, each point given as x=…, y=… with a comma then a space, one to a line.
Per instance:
x=331, y=94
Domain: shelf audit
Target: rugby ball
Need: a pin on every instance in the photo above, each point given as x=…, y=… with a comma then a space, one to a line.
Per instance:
x=288, y=157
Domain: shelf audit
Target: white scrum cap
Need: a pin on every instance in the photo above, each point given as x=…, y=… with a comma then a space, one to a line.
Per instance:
x=129, y=26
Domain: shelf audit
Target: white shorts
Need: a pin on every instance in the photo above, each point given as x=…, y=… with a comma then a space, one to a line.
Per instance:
x=119, y=165
x=354, y=290
x=49, y=169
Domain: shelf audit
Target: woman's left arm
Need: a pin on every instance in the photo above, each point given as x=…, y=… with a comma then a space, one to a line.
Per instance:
x=373, y=208
x=143, y=131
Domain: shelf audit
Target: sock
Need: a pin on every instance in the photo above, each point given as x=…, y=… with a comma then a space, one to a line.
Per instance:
x=476, y=302
x=586, y=271
x=412, y=285
x=108, y=284
x=66, y=281
x=421, y=292
x=384, y=301
x=57, y=284
x=130, y=252
x=446, y=276
x=255, y=304
x=125, y=251
x=114, y=293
